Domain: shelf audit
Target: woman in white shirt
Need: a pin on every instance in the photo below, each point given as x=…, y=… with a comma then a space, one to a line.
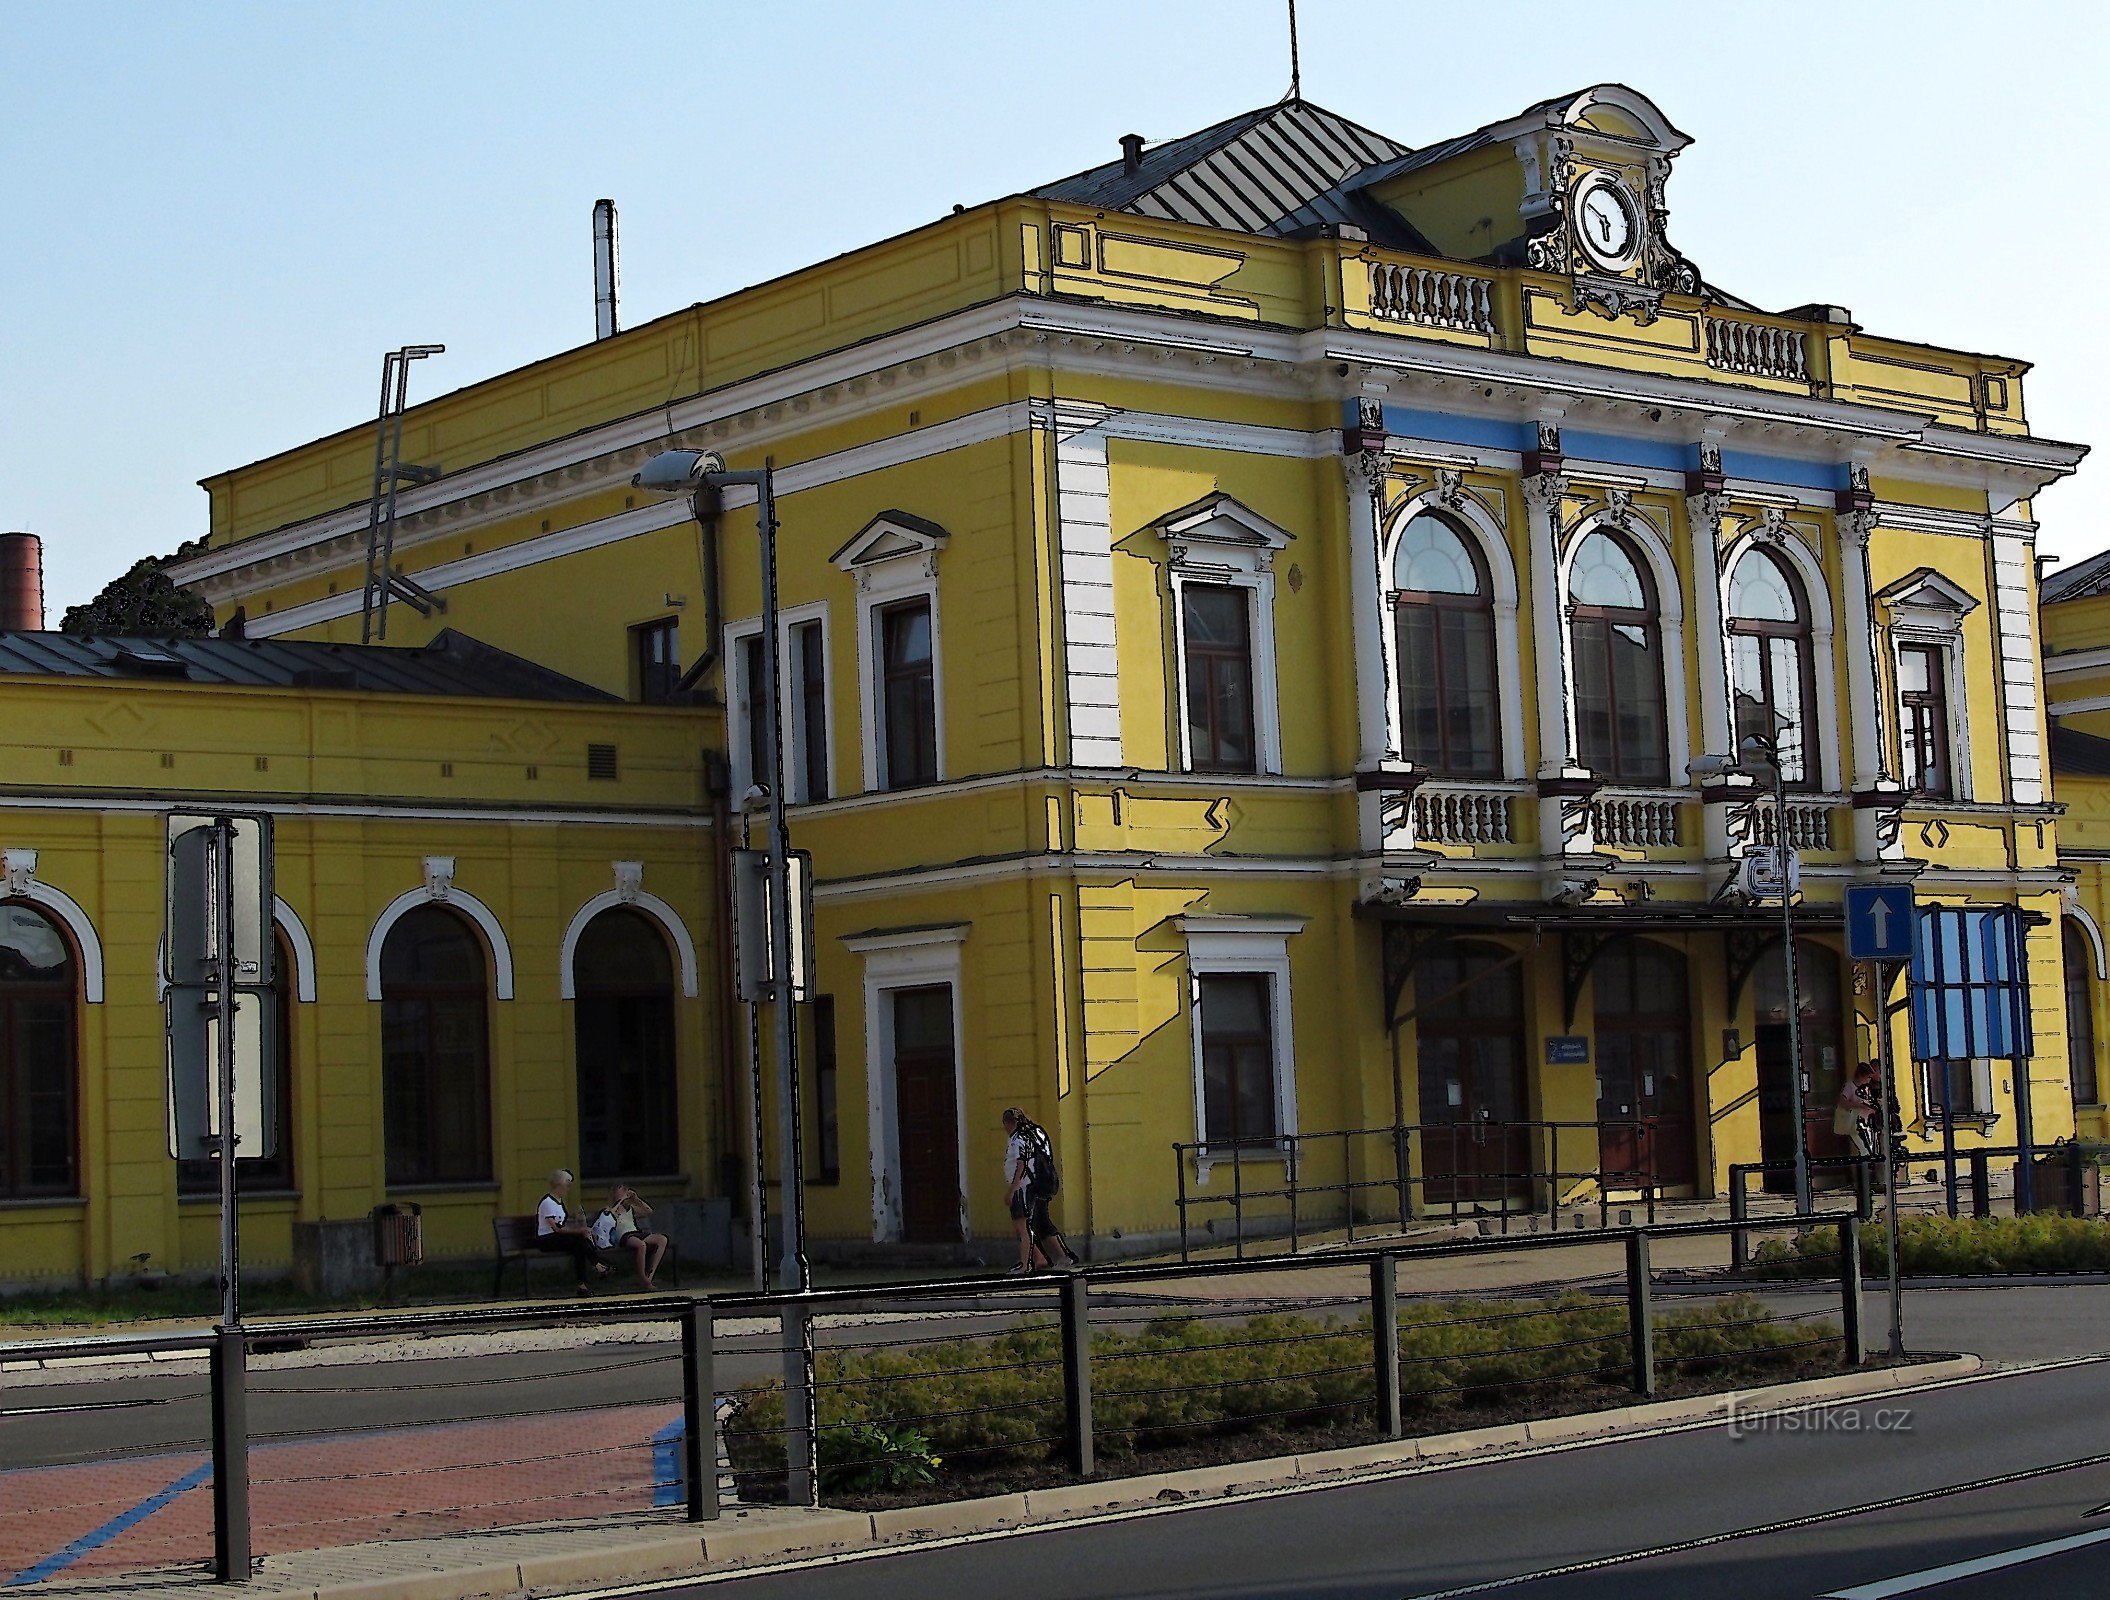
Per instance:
x=556, y=1233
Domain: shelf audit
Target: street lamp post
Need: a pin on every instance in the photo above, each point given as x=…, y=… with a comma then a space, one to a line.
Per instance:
x=698, y=472
x=1759, y=760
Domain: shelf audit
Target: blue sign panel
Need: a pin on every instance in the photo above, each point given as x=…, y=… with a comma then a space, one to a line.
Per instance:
x=1969, y=988
x=1879, y=922
x=1567, y=1050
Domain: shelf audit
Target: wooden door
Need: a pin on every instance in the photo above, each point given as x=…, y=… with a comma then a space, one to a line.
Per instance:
x=926, y=1111
x=1644, y=1065
x=1470, y=1059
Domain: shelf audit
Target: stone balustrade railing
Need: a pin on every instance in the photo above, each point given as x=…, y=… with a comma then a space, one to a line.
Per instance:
x=1756, y=350
x=1431, y=297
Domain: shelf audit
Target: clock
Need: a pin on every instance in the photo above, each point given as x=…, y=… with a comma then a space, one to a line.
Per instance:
x=1607, y=222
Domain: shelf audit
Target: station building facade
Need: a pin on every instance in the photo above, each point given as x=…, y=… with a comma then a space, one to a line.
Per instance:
x=1248, y=612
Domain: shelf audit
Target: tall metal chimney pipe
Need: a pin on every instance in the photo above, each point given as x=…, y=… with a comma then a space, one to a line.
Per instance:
x=604, y=269
x=21, y=582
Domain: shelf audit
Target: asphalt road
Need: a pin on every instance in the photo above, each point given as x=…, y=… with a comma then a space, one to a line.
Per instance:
x=1863, y=1510
x=43, y=1422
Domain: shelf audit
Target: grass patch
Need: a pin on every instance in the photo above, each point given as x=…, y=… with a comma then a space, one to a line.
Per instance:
x=1177, y=1390
x=1964, y=1246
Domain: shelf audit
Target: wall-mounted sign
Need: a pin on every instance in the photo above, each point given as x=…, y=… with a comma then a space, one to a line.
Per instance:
x=1568, y=1050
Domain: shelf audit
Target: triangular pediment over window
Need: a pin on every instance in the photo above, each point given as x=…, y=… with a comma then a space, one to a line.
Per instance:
x=1927, y=590
x=1220, y=520
x=891, y=536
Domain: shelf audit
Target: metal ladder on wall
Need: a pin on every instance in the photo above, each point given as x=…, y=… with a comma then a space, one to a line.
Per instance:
x=383, y=581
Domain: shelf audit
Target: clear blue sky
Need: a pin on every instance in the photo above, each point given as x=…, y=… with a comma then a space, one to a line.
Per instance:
x=220, y=215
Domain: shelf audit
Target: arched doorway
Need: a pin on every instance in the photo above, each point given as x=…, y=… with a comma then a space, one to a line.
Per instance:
x=1644, y=1063
x=623, y=1032
x=435, y=1050
x=39, y=1078
x=2079, y=973
x=1470, y=1061
x=1818, y=996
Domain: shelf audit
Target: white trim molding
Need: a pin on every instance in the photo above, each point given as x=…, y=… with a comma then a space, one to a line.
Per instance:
x=440, y=889
x=1622, y=519
x=906, y=958
x=1926, y=608
x=792, y=682
x=893, y=559
x=288, y=922
x=1243, y=944
x=626, y=893
x=1816, y=596
x=1218, y=541
x=21, y=883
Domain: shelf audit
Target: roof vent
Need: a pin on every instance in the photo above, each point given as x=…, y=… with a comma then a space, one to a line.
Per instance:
x=149, y=662
x=600, y=763
x=1131, y=153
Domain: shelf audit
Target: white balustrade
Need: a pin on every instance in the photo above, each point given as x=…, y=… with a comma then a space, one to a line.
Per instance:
x=1809, y=826
x=1756, y=350
x=1635, y=822
x=1467, y=816
x=1431, y=297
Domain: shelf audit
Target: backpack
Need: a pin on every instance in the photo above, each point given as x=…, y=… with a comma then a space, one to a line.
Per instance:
x=1043, y=1180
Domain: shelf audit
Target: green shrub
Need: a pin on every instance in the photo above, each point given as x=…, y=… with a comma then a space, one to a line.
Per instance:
x=2044, y=1242
x=1175, y=1380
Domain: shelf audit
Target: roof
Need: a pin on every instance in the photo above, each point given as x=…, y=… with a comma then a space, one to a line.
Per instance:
x=1283, y=169
x=453, y=664
x=2077, y=754
x=2079, y=581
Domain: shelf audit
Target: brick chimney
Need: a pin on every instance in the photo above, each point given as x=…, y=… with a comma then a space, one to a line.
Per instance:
x=21, y=582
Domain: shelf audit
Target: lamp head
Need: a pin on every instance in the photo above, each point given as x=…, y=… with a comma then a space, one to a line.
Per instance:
x=678, y=471
x=1708, y=769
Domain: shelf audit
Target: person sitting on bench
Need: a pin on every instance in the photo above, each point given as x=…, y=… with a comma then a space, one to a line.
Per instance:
x=625, y=1227
x=557, y=1234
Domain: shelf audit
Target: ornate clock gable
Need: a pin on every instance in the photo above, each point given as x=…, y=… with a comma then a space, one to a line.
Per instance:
x=1573, y=185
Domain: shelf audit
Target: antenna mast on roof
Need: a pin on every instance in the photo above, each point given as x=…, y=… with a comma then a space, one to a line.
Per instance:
x=382, y=579
x=1296, y=76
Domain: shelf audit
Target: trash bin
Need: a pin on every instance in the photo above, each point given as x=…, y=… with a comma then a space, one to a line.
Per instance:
x=399, y=1240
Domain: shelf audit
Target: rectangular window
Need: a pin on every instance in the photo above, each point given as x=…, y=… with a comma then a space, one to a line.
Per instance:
x=1923, y=725
x=755, y=711
x=809, y=661
x=1238, y=1059
x=825, y=1142
x=1217, y=624
x=908, y=702
x=1969, y=1088
x=655, y=649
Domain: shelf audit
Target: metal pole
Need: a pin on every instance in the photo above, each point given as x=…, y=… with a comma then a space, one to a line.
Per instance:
x=1787, y=930
x=230, y=1457
x=1850, y=1290
x=1384, y=1333
x=1077, y=1373
x=1640, y=1315
x=699, y=1412
x=1890, y=1163
x=224, y=975
x=801, y=1437
x=1948, y=1129
x=1739, y=1209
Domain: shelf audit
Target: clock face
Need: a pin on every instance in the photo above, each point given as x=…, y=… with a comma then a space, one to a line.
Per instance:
x=1607, y=222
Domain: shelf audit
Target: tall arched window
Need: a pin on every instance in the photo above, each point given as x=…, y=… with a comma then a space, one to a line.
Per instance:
x=2080, y=1017
x=435, y=1050
x=1772, y=666
x=38, y=1078
x=1443, y=620
x=1617, y=637
x=623, y=1027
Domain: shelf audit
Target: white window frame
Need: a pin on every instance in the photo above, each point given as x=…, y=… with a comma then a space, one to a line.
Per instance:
x=789, y=620
x=1928, y=609
x=1673, y=654
x=894, y=559
x=913, y=958
x=1981, y=1070
x=1226, y=544
x=1235, y=944
x=1817, y=600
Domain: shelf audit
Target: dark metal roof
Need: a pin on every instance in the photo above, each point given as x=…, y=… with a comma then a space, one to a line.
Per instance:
x=1279, y=170
x=453, y=664
x=2077, y=754
x=2077, y=582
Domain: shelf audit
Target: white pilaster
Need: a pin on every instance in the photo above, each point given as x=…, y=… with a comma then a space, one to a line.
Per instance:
x=1085, y=557
x=1703, y=514
x=1364, y=472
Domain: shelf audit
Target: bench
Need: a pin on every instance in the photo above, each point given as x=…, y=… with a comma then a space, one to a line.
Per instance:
x=513, y=1239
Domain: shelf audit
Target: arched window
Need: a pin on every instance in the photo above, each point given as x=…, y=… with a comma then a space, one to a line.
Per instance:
x=435, y=1050
x=2080, y=1017
x=623, y=1028
x=37, y=1071
x=1617, y=638
x=275, y=1171
x=1772, y=666
x=1443, y=621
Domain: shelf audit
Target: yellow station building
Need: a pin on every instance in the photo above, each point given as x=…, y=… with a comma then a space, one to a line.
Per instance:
x=1248, y=611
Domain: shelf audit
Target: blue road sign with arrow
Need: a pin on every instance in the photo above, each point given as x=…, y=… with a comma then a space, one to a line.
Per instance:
x=1879, y=922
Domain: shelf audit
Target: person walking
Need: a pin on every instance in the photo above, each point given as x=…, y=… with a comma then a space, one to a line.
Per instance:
x=1030, y=1177
x=557, y=1234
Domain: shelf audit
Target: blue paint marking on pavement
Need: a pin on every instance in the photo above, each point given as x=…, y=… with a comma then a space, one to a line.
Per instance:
x=59, y=1560
x=668, y=1480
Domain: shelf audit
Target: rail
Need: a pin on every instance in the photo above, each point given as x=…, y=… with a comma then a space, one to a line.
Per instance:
x=1458, y=1169
x=1363, y=1370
